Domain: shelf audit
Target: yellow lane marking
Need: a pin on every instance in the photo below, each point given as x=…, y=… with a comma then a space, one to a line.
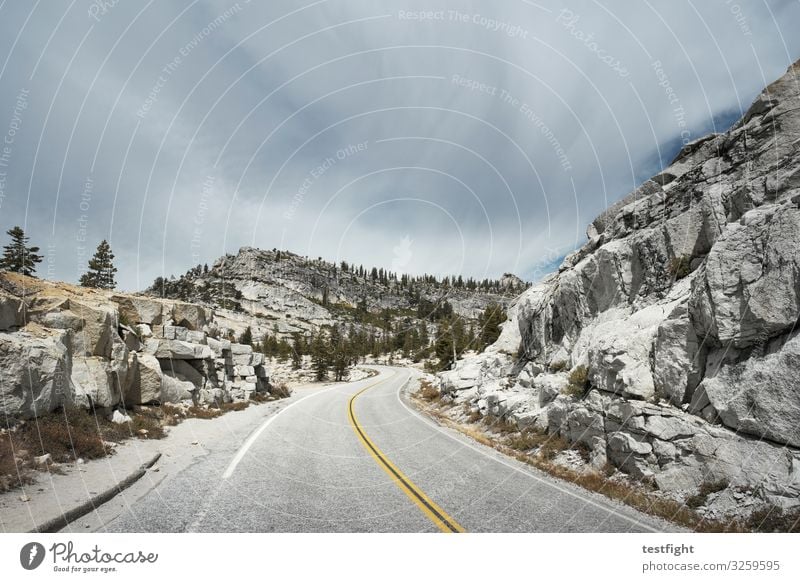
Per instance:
x=435, y=513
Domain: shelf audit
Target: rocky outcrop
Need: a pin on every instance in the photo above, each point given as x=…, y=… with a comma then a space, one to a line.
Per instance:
x=35, y=370
x=681, y=313
x=278, y=293
x=62, y=345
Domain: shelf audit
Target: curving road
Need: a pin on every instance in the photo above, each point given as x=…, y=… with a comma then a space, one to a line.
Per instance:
x=356, y=458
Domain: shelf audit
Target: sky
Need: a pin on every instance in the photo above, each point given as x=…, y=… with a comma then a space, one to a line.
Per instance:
x=473, y=137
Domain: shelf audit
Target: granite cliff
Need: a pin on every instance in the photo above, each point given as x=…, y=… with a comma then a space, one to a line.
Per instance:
x=668, y=343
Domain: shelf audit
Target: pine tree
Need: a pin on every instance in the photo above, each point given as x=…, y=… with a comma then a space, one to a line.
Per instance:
x=490, y=321
x=298, y=348
x=319, y=356
x=443, y=347
x=246, y=337
x=18, y=257
x=340, y=354
x=100, y=274
x=424, y=339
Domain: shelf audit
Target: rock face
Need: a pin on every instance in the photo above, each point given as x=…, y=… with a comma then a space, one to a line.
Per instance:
x=280, y=293
x=35, y=370
x=682, y=310
x=63, y=345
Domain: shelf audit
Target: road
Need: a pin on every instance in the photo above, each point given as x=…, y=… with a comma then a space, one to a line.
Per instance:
x=356, y=457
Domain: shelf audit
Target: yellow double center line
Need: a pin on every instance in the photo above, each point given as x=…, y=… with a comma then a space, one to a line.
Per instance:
x=435, y=513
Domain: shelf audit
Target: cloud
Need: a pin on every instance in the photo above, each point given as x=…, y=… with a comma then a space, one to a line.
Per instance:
x=487, y=133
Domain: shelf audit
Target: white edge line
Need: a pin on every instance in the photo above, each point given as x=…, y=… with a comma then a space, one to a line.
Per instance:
x=254, y=436
x=508, y=464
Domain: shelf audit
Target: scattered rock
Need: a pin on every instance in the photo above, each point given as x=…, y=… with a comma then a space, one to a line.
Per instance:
x=120, y=418
x=42, y=460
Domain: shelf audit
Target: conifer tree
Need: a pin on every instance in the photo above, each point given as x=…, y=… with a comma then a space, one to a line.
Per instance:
x=18, y=257
x=297, y=351
x=100, y=274
x=319, y=356
x=490, y=321
x=247, y=336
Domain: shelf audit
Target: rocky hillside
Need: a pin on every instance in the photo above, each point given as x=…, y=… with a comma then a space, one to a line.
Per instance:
x=63, y=345
x=668, y=343
x=279, y=293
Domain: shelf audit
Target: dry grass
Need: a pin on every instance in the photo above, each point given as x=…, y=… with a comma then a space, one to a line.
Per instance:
x=499, y=425
x=203, y=412
x=234, y=406
x=578, y=382
x=15, y=468
x=281, y=390
x=74, y=433
x=706, y=489
x=773, y=519
x=428, y=392
x=525, y=441
x=539, y=450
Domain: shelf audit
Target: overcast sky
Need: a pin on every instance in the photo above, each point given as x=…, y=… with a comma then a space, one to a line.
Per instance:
x=438, y=136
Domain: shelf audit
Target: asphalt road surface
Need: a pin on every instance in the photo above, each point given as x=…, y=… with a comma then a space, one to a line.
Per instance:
x=357, y=458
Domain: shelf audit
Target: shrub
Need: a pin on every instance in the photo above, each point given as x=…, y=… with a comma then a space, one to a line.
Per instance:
x=679, y=267
x=558, y=366
x=552, y=445
x=526, y=440
x=67, y=435
x=428, y=392
x=706, y=489
x=578, y=382
x=772, y=518
x=204, y=413
x=281, y=390
x=234, y=406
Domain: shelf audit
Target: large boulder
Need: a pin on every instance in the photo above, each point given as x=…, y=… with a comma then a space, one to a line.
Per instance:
x=98, y=329
x=143, y=385
x=96, y=386
x=219, y=347
x=185, y=371
x=174, y=389
x=134, y=309
x=177, y=350
x=759, y=396
x=35, y=370
x=189, y=315
x=750, y=289
x=12, y=312
x=678, y=361
x=618, y=350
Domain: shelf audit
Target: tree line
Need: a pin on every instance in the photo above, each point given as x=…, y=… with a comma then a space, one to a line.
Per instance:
x=334, y=349
x=20, y=257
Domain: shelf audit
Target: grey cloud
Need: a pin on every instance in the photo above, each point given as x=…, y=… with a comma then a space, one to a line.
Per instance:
x=494, y=131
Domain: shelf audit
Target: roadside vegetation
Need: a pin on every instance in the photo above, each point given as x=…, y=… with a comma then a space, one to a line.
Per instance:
x=545, y=451
x=75, y=435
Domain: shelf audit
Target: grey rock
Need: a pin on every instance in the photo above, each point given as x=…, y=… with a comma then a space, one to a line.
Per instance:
x=12, y=312
x=760, y=396
x=35, y=372
x=140, y=310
